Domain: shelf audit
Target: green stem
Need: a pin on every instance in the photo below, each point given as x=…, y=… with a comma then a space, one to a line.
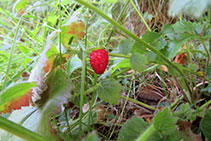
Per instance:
x=207, y=51
x=72, y=51
x=148, y=133
x=193, y=51
x=140, y=15
x=141, y=41
x=203, y=106
x=82, y=89
x=210, y=45
x=209, y=14
x=176, y=102
x=20, y=131
x=2, y=70
x=119, y=55
x=60, y=35
x=11, y=52
x=92, y=89
x=138, y=102
x=94, y=97
x=66, y=119
x=189, y=53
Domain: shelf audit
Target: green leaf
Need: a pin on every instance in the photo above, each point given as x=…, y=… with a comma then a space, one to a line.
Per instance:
x=183, y=112
x=138, y=62
x=164, y=122
x=190, y=7
x=182, y=26
x=109, y=91
x=150, y=36
x=174, y=47
x=75, y=63
x=52, y=19
x=168, y=30
x=112, y=1
x=205, y=124
x=154, y=39
x=24, y=50
x=13, y=93
x=132, y=129
x=52, y=51
x=21, y=4
x=92, y=137
x=26, y=61
x=193, y=67
x=208, y=70
x=137, y=48
x=65, y=2
x=125, y=63
x=125, y=46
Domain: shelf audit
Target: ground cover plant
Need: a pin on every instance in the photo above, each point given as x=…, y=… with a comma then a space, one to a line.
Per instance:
x=105, y=70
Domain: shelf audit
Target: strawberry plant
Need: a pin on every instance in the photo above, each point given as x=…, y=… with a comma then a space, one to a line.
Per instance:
x=105, y=70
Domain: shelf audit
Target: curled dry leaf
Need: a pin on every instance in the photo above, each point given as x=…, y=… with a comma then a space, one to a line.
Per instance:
x=151, y=92
x=164, y=68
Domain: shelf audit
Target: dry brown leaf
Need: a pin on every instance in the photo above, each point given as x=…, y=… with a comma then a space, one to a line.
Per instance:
x=150, y=92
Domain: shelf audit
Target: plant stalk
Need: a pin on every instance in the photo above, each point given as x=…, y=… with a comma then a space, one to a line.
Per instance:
x=138, y=102
x=140, y=15
x=83, y=77
x=20, y=131
x=207, y=52
x=72, y=51
x=60, y=35
x=203, y=106
x=144, y=137
x=11, y=52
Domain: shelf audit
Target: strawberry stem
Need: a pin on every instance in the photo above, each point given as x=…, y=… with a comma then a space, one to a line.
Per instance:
x=72, y=51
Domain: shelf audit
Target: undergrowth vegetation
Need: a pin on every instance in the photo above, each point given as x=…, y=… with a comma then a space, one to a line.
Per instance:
x=157, y=81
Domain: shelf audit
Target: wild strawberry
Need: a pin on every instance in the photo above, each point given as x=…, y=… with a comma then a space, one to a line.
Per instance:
x=99, y=60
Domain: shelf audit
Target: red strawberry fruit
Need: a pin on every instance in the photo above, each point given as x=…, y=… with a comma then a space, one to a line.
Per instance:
x=99, y=60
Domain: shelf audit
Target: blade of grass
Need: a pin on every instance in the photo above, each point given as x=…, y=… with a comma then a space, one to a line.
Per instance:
x=11, y=52
x=60, y=34
x=82, y=91
x=149, y=132
x=202, y=107
x=138, y=102
x=72, y=51
x=207, y=51
x=28, y=33
x=131, y=1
